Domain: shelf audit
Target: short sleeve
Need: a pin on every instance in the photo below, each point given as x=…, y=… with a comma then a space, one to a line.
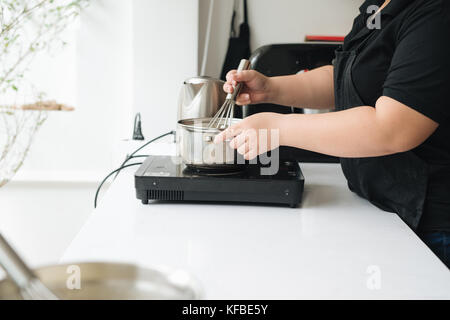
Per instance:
x=419, y=74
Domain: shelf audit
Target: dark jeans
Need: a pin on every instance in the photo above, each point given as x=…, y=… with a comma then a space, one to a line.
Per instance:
x=439, y=243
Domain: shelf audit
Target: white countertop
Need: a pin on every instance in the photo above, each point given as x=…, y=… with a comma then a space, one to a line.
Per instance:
x=335, y=245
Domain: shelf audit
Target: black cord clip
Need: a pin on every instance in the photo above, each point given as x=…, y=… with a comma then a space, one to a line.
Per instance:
x=137, y=132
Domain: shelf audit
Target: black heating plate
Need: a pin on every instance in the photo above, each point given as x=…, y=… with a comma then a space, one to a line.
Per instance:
x=165, y=178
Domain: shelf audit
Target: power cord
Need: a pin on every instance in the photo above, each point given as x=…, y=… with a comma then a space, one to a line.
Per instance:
x=140, y=156
x=128, y=158
x=109, y=175
x=144, y=145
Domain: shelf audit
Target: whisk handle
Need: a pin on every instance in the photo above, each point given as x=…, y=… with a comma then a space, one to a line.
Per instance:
x=14, y=265
x=244, y=65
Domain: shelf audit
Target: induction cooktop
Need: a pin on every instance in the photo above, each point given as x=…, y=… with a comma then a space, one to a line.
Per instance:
x=166, y=178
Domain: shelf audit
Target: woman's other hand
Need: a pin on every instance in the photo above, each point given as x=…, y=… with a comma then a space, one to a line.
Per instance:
x=254, y=135
x=256, y=87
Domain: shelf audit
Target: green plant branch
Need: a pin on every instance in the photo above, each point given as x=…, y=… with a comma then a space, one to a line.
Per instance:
x=24, y=14
x=26, y=28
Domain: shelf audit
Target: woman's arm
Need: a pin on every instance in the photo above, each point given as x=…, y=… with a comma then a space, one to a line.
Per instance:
x=313, y=89
x=359, y=132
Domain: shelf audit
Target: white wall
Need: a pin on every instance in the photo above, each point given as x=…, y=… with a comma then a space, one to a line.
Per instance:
x=165, y=54
x=93, y=74
x=280, y=21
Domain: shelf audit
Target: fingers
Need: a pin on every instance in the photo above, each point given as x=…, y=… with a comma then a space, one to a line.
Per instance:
x=239, y=141
x=231, y=81
x=249, y=148
x=221, y=137
x=251, y=154
x=235, y=76
x=244, y=148
x=243, y=99
x=231, y=76
x=228, y=134
x=242, y=76
x=246, y=142
x=249, y=93
x=228, y=88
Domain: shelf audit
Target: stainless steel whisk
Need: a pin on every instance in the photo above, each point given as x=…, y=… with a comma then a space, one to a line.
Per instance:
x=31, y=288
x=224, y=117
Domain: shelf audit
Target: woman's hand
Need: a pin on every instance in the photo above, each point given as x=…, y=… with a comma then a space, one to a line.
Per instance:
x=256, y=87
x=254, y=135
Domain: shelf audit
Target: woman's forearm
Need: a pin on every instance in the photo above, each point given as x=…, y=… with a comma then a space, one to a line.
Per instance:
x=354, y=133
x=313, y=89
x=391, y=127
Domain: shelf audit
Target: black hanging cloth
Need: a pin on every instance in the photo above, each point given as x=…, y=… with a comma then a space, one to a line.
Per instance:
x=238, y=46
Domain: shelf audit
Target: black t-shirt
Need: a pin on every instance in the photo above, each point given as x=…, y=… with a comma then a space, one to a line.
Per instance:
x=408, y=60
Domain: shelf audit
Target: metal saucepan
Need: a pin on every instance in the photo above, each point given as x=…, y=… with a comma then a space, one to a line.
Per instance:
x=107, y=281
x=196, y=145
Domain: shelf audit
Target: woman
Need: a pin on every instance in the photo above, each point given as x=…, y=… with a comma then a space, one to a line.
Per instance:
x=389, y=87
